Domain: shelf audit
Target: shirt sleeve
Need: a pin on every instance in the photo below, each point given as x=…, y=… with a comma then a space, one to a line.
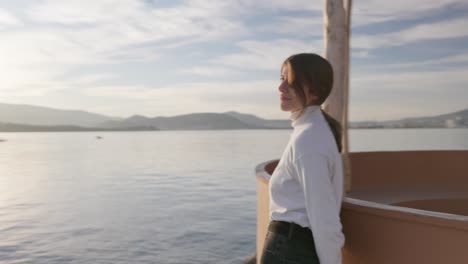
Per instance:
x=313, y=174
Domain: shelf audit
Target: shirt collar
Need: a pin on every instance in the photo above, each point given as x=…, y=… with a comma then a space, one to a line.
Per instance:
x=305, y=116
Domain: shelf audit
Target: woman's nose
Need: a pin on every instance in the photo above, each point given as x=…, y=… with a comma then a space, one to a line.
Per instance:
x=283, y=88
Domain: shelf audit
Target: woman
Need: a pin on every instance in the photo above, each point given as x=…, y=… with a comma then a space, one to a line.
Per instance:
x=306, y=186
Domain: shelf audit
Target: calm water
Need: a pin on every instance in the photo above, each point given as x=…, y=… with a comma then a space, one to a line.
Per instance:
x=149, y=197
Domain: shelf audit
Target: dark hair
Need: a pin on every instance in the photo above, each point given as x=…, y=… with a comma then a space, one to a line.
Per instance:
x=311, y=71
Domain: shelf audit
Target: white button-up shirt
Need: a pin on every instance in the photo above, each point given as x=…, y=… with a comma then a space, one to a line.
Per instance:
x=307, y=185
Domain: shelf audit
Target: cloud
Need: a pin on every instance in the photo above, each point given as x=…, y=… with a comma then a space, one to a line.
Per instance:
x=267, y=55
x=20, y=81
x=8, y=19
x=47, y=45
x=363, y=54
x=91, y=79
x=381, y=96
x=211, y=71
x=64, y=35
x=366, y=12
x=444, y=61
x=310, y=25
x=33, y=61
x=449, y=59
x=453, y=28
x=187, y=90
x=382, y=111
x=121, y=30
x=137, y=21
x=236, y=7
x=395, y=95
x=259, y=97
x=415, y=81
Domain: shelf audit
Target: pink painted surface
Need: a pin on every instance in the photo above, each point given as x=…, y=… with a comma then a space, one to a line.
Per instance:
x=404, y=207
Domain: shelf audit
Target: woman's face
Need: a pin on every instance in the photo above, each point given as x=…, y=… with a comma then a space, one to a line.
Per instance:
x=289, y=101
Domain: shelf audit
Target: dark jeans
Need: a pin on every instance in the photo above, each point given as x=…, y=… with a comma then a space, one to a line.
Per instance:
x=288, y=243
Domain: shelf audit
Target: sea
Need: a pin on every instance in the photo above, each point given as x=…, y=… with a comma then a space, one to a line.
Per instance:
x=150, y=197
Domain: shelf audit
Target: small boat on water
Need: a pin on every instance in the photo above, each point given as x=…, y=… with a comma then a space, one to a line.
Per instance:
x=2, y=140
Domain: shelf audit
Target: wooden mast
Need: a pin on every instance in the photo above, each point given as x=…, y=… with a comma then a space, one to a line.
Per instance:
x=337, y=30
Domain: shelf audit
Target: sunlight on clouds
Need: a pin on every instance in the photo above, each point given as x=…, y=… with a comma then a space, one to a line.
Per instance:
x=8, y=19
x=106, y=32
x=185, y=90
x=104, y=51
x=197, y=97
x=83, y=11
x=33, y=60
x=91, y=79
x=20, y=81
x=43, y=47
x=201, y=20
x=137, y=21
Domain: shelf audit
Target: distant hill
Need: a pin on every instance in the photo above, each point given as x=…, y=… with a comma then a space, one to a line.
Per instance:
x=34, y=118
x=254, y=120
x=457, y=119
x=44, y=116
x=450, y=120
x=198, y=121
x=9, y=127
x=17, y=117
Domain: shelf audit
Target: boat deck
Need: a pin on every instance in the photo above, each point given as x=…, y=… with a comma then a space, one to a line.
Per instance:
x=396, y=196
x=404, y=207
x=432, y=199
x=427, y=180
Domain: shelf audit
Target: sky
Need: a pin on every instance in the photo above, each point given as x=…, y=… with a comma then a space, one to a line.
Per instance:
x=168, y=57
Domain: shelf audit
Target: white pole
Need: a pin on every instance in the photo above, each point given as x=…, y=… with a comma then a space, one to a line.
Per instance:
x=337, y=24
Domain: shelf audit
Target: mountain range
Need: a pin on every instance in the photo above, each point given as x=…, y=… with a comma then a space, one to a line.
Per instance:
x=17, y=117
x=451, y=120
